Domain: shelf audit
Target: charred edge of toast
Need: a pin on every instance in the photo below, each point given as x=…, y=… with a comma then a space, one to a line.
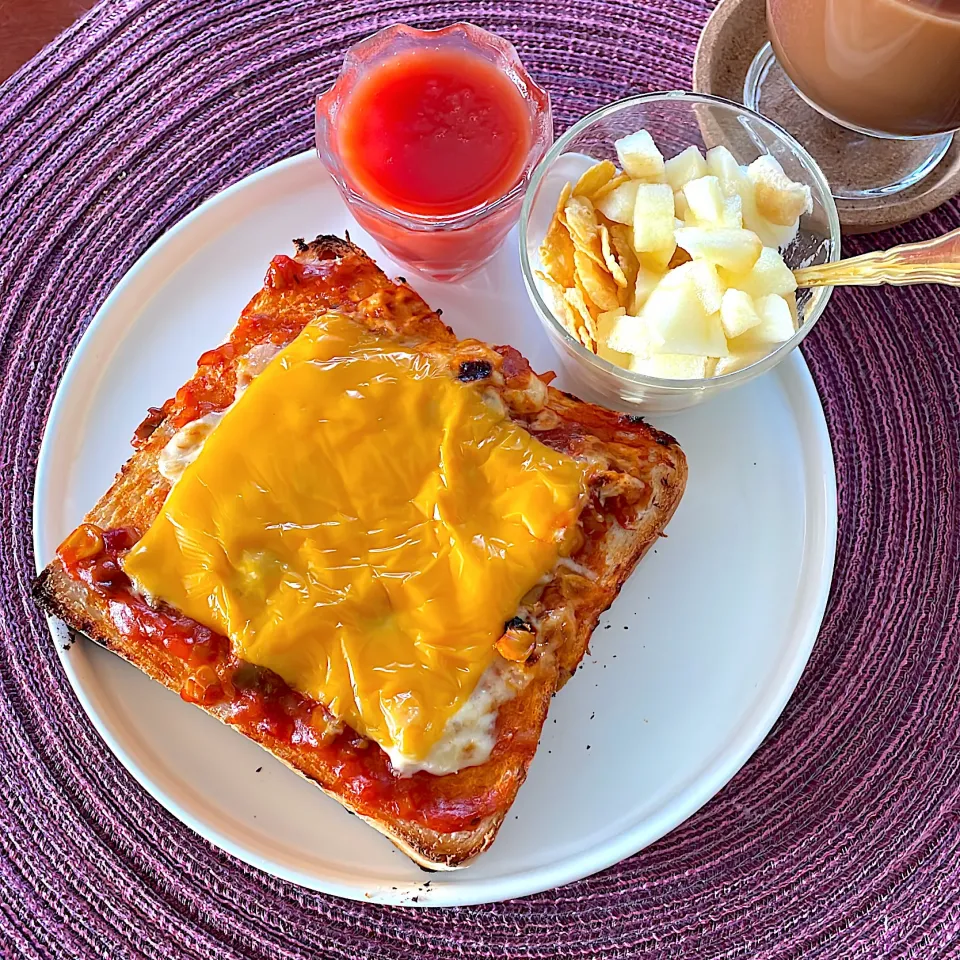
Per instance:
x=634, y=420
x=45, y=595
x=325, y=246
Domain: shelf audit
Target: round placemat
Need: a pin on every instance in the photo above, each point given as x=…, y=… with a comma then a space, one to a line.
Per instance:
x=840, y=838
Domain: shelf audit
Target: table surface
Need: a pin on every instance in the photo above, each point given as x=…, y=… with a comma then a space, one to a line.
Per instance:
x=27, y=25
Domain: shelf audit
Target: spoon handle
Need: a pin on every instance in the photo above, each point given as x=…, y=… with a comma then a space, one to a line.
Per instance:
x=930, y=261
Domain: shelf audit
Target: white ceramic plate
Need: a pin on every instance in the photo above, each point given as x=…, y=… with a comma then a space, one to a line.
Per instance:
x=688, y=671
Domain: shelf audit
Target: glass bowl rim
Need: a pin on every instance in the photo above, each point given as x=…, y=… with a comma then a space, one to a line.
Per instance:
x=821, y=295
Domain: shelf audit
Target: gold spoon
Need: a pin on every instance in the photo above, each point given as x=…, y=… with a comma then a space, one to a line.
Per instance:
x=930, y=261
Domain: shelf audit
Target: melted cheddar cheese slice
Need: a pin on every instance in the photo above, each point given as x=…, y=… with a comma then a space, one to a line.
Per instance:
x=362, y=524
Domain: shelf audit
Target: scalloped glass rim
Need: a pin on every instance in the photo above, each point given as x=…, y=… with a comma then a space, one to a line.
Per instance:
x=821, y=295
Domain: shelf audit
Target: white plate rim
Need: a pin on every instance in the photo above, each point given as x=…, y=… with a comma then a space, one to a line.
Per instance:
x=814, y=437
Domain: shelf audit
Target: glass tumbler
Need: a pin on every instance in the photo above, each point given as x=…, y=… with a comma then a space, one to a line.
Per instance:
x=451, y=245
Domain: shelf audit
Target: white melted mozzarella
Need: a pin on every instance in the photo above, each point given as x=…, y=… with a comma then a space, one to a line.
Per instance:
x=470, y=734
x=577, y=568
x=185, y=445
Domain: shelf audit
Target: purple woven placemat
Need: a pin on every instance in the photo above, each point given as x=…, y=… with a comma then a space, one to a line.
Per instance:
x=840, y=838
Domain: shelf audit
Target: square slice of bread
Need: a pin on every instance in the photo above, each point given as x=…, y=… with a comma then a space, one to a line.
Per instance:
x=636, y=476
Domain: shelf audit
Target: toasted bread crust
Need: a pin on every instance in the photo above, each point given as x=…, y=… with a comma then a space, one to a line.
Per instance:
x=625, y=448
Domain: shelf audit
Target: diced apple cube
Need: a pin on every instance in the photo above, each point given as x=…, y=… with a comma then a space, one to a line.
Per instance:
x=647, y=281
x=615, y=357
x=661, y=260
x=776, y=319
x=639, y=156
x=737, y=313
x=695, y=334
x=618, y=204
x=653, y=226
x=737, y=361
x=684, y=167
x=733, y=212
x=775, y=326
x=771, y=234
x=767, y=276
x=629, y=335
x=680, y=206
x=676, y=319
x=734, y=250
x=675, y=366
x=735, y=182
x=705, y=200
x=709, y=205
x=605, y=324
x=722, y=164
x=778, y=198
x=709, y=285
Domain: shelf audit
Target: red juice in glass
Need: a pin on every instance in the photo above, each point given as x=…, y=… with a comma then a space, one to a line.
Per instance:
x=431, y=136
x=434, y=132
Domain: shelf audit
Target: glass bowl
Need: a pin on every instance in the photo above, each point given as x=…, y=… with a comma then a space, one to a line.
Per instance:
x=675, y=120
